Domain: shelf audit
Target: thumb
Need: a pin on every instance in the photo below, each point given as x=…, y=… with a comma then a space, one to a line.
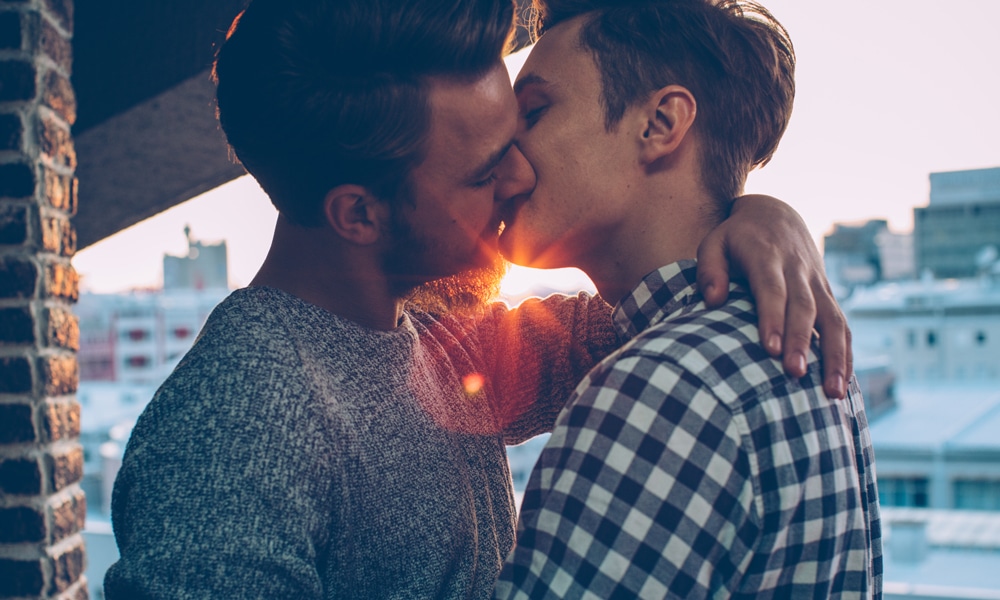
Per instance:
x=713, y=269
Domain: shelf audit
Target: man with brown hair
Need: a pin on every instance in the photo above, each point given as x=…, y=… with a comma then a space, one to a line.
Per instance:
x=325, y=437
x=687, y=464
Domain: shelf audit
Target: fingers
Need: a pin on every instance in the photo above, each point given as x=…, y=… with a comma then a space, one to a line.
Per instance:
x=835, y=344
x=713, y=269
x=766, y=240
x=800, y=316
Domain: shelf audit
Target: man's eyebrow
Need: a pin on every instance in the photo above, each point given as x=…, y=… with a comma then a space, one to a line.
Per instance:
x=529, y=79
x=491, y=163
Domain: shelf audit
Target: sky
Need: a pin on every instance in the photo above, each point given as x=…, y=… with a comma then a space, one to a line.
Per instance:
x=887, y=92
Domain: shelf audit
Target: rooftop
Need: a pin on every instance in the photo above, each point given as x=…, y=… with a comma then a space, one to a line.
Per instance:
x=968, y=186
x=927, y=295
x=962, y=557
x=951, y=417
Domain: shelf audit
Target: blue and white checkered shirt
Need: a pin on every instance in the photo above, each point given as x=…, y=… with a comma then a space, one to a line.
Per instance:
x=689, y=465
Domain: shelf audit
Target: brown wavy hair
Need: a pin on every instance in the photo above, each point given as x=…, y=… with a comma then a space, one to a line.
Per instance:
x=313, y=94
x=733, y=55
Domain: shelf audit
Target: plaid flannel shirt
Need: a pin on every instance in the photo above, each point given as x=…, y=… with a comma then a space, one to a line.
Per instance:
x=688, y=465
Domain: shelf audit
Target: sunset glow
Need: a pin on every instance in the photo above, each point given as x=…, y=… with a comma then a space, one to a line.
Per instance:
x=843, y=158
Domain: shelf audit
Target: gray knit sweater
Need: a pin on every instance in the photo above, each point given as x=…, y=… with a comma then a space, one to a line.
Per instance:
x=295, y=454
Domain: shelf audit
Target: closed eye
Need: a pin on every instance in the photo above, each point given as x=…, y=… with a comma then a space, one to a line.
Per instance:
x=531, y=117
x=486, y=182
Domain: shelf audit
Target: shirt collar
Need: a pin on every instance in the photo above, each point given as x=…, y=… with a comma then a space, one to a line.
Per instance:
x=659, y=294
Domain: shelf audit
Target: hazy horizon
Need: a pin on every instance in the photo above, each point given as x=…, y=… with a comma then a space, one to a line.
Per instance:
x=887, y=93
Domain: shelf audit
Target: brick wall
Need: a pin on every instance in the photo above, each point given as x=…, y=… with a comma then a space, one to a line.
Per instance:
x=42, y=507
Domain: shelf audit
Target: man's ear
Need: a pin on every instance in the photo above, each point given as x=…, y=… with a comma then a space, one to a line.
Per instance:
x=354, y=213
x=670, y=113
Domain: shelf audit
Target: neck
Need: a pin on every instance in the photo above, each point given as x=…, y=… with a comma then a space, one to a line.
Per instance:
x=663, y=228
x=311, y=264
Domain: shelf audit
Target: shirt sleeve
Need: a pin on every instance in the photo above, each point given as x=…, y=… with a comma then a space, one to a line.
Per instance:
x=537, y=353
x=643, y=490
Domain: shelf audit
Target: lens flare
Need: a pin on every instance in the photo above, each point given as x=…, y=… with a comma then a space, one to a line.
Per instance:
x=473, y=382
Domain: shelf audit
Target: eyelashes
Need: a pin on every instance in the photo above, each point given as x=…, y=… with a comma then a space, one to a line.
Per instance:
x=486, y=182
x=531, y=117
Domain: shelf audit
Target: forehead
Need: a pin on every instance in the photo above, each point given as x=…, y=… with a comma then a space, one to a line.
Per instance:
x=470, y=121
x=559, y=55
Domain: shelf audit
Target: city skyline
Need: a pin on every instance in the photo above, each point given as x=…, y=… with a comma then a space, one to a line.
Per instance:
x=887, y=93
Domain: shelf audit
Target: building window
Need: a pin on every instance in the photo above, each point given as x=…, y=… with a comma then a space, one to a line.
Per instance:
x=136, y=335
x=980, y=338
x=977, y=494
x=137, y=361
x=931, y=339
x=903, y=491
x=182, y=333
x=911, y=338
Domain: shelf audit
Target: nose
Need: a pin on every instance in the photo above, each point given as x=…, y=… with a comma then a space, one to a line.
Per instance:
x=515, y=176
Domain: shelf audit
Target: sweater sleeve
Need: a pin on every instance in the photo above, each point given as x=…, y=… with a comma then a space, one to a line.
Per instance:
x=537, y=353
x=227, y=489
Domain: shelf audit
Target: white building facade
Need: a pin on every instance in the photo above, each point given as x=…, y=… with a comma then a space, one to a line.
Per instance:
x=930, y=330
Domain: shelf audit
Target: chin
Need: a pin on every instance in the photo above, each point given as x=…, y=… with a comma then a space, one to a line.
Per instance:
x=526, y=255
x=512, y=250
x=463, y=294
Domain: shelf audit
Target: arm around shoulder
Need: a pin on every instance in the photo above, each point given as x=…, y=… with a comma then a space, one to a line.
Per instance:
x=538, y=352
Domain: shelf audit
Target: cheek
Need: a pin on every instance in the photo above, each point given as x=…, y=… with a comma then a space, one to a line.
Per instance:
x=476, y=218
x=533, y=233
x=558, y=164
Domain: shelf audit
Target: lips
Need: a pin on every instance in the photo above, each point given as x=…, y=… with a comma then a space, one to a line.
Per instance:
x=509, y=211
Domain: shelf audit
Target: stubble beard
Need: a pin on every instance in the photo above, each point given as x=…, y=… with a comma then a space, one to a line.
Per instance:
x=465, y=293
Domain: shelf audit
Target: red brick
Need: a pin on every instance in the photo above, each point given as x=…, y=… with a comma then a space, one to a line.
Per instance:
x=15, y=375
x=61, y=420
x=58, y=236
x=62, y=281
x=16, y=425
x=21, y=524
x=67, y=568
x=60, y=190
x=17, y=326
x=62, y=12
x=78, y=592
x=10, y=30
x=21, y=476
x=11, y=131
x=56, y=46
x=18, y=278
x=56, y=143
x=21, y=578
x=57, y=94
x=59, y=374
x=13, y=225
x=65, y=469
x=17, y=180
x=44, y=39
x=62, y=329
x=69, y=516
x=17, y=80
